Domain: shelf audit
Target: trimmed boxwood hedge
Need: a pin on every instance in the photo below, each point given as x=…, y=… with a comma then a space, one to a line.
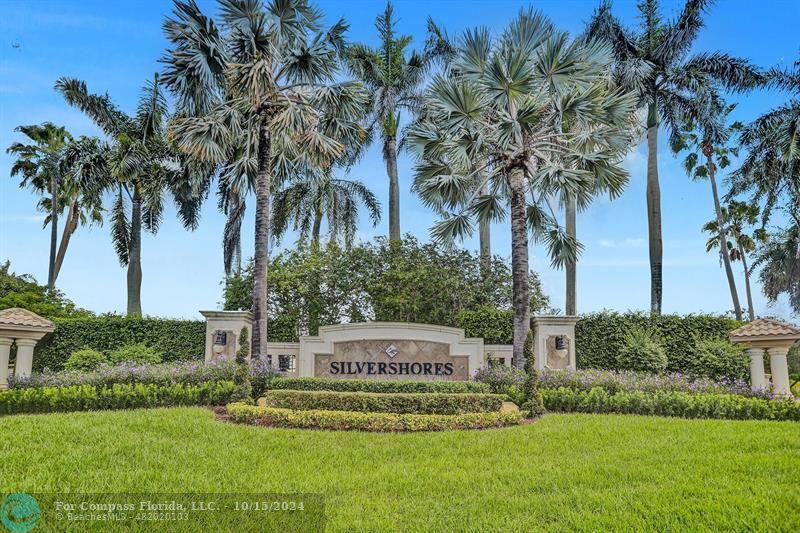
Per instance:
x=120, y=396
x=368, y=385
x=349, y=420
x=176, y=339
x=669, y=403
x=420, y=403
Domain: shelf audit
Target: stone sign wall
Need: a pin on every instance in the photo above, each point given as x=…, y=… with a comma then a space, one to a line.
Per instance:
x=391, y=359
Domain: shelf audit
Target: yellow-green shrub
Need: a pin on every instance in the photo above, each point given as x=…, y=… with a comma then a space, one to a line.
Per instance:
x=350, y=420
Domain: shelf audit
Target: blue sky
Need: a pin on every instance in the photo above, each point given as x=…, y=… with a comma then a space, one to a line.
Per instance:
x=114, y=47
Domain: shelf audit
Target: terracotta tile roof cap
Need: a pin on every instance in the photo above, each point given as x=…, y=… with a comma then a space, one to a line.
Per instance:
x=17, y=317
x=765, y=327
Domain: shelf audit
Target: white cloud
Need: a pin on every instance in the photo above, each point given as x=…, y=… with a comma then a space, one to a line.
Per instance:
x=628, y=242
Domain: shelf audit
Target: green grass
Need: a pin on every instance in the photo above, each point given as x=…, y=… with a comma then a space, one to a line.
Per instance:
x=565, y=472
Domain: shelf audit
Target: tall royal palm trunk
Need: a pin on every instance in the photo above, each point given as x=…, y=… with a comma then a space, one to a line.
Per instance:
x=316, y=228
x=571, y=215
x=519, y=265
x=654, y=212
x=51, y=270
x=261, y=259
x=70, y=226
x=723, y=239
x=135, y=255
x=485, y=240
x=750, y=312
x=390, y=157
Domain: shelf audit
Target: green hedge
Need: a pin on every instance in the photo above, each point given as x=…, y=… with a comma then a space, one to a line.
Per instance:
x=599, y=336
x=175, y=339
x=419, y=403
x=368, y=385
x=669, y=403
x=493, y=325
x=121, y=396
x=348, y=420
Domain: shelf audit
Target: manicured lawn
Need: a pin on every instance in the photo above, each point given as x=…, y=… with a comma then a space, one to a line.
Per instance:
x=566, y=472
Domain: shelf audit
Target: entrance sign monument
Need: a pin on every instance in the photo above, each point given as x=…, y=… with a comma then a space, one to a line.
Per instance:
x=391, y=350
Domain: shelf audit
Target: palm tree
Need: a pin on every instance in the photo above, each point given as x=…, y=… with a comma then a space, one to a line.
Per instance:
x=780, y=266
x=139, y=169
x=737, y=217
x=40, y=168
x=395, y=81
x=305, y=202
x=61, y=167
x=771, y=174
x=257, y=89
x=536, y=115
x=710, y=146
x=655, y=62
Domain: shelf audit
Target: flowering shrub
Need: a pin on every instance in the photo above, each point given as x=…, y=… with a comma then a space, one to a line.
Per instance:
x=500, y=378
x=185, y=372
x=619, y=381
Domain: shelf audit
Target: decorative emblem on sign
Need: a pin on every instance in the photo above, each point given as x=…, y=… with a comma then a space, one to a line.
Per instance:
x=391, y=351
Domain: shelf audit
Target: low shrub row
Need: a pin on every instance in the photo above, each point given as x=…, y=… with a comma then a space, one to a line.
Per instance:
x=348, y=420
x=669, y=403
x=366, y=385
x=120, y=396
x=421, y=403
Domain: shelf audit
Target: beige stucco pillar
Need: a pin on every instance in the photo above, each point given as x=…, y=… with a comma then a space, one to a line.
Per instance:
x=24, y=364
x=757, y=377
x=5, y=352
x=780, y=371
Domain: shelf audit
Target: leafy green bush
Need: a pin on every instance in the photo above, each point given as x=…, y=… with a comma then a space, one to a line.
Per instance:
x=368, y=385
x=598, y=336
x=533, y=405
x=670, y=403
x=420, y=403
x=120, y=396
x=348, y=420
x=718, y=359
x=177, y=340
x=642, y=351
x=135, y=353
x=85, y=359
x=495, y=326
